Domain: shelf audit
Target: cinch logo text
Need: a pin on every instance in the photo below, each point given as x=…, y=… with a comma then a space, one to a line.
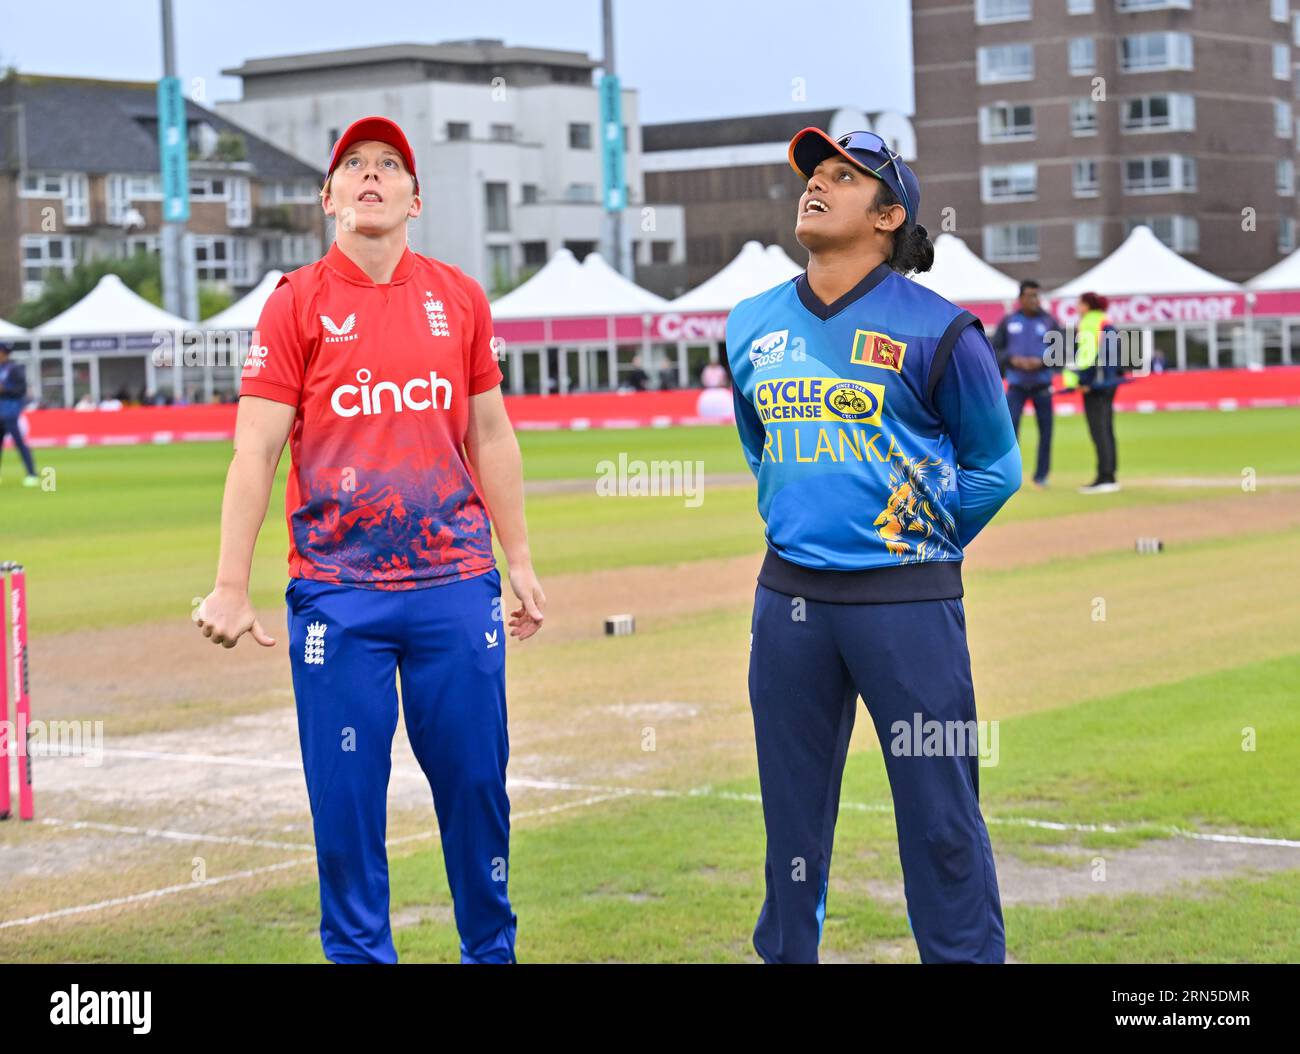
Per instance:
x=363, y=398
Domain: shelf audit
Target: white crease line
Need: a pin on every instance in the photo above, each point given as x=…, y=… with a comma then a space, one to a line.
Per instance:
x=153, y=894
x=611, y=793
x=176, y=836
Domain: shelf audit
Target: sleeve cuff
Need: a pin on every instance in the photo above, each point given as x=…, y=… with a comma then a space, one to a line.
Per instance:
x=486, y=381
x=279, y=393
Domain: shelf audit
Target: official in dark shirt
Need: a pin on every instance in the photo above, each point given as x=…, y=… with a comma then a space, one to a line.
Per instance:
x=1021, y=341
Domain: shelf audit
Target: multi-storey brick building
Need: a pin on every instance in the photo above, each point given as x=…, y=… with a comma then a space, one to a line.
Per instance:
x=1047, y=129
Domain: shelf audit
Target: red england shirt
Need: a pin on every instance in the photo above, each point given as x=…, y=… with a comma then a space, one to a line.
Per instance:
x=380, y=491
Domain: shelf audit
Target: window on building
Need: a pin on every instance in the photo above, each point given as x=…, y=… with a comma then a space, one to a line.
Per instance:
x=1083, y=55
x=1011, y=243
x=1180, y=233
x=529, y=194
x=208, y=188
x=1001, y=122
x=211, y=258
x=42, y=185
x=1086, y=181
x=1281, y=10
x=661, y=252
x=1282, y=119
x=1285, y=176
x=1161, y=112
x=289, y=193
x=76, y=199
x=496, y=199
x=1083, y=117
x=1150, y=5
x=1080, y=7
x=580, y=192
x=457, y=129
x=1159, y=174
x=1282, y=62
x=501, y=133
x=43, y=253
x=1006, y=62
x=987, y=11
x=499, y=267
x=239, y=209
x=534, y=253
x=579, y=136
x=1147, y=52
x=1286, y=235
x=1009, y=182
x=1087, y=239
x=1295, y=29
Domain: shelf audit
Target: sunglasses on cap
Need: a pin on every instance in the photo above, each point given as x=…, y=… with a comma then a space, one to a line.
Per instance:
x=871, y=143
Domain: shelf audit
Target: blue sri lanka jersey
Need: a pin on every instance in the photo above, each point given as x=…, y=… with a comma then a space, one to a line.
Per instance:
x=878, y=430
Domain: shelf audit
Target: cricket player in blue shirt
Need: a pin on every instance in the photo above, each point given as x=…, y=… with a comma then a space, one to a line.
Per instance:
x=872, y=413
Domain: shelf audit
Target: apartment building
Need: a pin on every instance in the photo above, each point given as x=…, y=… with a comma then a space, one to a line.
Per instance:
x=1047, y=129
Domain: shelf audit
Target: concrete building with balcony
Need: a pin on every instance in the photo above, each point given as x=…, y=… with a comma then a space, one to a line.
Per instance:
x=1048, y=129
x=80, y=180
x=505, y=141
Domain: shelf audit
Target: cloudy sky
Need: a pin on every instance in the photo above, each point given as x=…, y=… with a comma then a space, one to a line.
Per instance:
x=687, y=58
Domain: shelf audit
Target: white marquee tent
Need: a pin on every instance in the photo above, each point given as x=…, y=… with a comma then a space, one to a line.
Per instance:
x=8, y=329
x=962, y=277
x=110, y=308
x=564, y=288
x=244, y=313
x=753, y=270
x=1285, y=274
x=1144, y=264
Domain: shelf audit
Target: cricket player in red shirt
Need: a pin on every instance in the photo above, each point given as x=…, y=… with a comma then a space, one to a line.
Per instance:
x=377, y=365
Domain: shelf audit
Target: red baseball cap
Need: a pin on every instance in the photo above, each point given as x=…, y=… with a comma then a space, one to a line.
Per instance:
x=381, y=130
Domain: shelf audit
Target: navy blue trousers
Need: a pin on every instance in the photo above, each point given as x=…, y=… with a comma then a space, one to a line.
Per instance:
x=348, y=645
x=909, y=663
x=1042, y=400
x=9, y=426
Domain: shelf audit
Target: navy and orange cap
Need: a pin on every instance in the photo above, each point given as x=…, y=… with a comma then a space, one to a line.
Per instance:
x=380, y=129
x=864, y=150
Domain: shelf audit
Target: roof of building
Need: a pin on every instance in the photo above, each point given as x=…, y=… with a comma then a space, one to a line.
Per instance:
x=109, y=308
x=79, y=124
x=1144, y=264
x=962, y=277
x=731, y=131
x=469, y=52
x=564, y=288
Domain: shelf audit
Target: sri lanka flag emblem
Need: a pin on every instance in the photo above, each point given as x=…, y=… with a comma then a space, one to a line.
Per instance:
x=877, y=349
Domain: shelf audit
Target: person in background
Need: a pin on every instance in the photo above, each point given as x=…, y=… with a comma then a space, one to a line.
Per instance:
x=1021, y=341
x=637, y=379
x=1096, y=373
x=713, y=375
x=13, y=397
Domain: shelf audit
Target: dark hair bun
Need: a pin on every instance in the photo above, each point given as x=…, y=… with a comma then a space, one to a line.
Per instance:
x=913, y=250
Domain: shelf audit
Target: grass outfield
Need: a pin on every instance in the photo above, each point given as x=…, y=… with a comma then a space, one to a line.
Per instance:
x=680, y=878
x=1136, y=721
x=130, y=534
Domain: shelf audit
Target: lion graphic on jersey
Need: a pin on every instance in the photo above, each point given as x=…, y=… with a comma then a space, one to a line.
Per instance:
x=915, y=507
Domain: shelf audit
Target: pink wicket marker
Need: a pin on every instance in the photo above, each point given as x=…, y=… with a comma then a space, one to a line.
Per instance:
x=22, y=694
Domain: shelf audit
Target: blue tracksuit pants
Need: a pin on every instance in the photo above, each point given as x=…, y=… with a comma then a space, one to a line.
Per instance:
x=447, y=643
x=909, y=663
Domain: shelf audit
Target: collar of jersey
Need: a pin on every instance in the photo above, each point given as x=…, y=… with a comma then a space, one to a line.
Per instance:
x=339, y=261
x=824, y=311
